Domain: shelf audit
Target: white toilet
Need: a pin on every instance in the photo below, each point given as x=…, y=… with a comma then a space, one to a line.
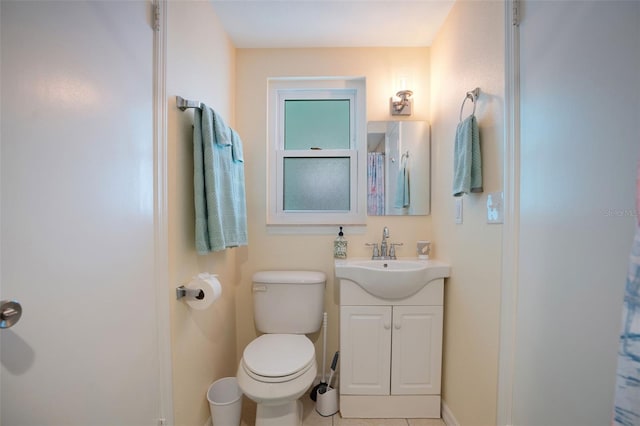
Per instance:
x=278, y=367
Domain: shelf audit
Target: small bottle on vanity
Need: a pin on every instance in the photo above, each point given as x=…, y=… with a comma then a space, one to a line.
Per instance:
x=340, y=246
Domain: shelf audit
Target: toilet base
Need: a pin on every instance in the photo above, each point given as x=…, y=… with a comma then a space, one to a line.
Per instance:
x=288, y=414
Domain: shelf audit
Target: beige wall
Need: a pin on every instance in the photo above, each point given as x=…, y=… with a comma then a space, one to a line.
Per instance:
x=380, y=66
x=200, y=65
x=468, y=53
x=208, y=344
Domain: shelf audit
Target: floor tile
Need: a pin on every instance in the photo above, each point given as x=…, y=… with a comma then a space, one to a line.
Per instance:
x=310, y=416
x=339, y=421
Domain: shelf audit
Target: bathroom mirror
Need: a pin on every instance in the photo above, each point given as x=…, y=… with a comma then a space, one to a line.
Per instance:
x=398, y=168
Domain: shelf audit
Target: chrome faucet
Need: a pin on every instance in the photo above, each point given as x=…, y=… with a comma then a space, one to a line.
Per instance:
x=387, y=250
x=383, y=244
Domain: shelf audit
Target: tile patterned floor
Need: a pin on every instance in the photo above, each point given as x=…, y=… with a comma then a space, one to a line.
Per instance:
x=312, y=418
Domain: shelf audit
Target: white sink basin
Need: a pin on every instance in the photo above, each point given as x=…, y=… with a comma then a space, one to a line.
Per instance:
x=391, y=279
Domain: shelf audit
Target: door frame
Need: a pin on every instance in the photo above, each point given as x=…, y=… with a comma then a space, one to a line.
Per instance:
x=161, y=212
x=511, y=228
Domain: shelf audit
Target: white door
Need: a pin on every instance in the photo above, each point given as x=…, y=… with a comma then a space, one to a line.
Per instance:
x=416, y=350
x=77, y=214
x=579, y=112
x=365, y=350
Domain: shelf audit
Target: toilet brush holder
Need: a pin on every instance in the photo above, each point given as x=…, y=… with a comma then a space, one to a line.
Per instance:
x=327, y=402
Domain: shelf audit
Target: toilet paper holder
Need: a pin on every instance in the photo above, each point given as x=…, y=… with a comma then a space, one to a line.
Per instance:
x=195, y=293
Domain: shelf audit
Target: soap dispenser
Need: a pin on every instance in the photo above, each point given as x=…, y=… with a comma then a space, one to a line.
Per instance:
x=340, y=246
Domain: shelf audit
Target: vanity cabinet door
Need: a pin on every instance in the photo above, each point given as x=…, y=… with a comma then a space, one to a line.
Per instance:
x=365, y=350
x=416, y=350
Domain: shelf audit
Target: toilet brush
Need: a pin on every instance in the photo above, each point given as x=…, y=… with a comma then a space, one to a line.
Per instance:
x=327, y=404
x=334, y=365
x=314, y=392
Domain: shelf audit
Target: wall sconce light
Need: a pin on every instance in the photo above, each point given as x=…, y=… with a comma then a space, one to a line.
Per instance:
x=401, y=103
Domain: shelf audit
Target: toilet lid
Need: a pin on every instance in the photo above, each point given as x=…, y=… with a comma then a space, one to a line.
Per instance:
x=278, y=355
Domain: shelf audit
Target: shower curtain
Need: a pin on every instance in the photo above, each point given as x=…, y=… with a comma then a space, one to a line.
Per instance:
x=375, y=183
x=627, y=397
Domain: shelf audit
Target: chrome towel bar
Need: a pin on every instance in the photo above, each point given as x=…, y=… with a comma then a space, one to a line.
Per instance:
x=183, y=103
x=473, y=96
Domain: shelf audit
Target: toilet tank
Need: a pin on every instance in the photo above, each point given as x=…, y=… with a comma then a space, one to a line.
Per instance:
x=290, y=302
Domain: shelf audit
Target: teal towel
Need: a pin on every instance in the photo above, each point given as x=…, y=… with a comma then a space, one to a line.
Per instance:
x=218, y=181
x=403, y=197
x=467, y=160
x=220, y=128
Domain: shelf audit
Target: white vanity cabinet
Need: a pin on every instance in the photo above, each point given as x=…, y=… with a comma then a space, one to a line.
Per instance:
x=365, y=350
x=390, y=353
x=416, y=350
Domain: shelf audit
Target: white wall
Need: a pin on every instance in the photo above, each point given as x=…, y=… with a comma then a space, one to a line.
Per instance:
x=580, y=137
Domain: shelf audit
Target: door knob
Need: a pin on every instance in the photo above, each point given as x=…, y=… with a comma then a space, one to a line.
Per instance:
x=10, y=313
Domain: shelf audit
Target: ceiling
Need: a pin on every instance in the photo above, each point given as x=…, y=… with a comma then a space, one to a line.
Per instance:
x=331, y=23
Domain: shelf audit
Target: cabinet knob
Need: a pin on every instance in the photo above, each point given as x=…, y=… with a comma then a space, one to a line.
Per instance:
x=386, y=326
x=397, y=325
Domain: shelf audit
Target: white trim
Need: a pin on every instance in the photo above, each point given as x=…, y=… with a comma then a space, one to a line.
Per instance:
x=161, y=209
x=352, y=87
x=511, y=228
x=447, y=416
x=1, y=399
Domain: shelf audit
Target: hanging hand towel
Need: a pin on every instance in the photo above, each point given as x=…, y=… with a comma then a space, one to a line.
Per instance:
x=219, y=189
x=467, y=161
x=403, y=199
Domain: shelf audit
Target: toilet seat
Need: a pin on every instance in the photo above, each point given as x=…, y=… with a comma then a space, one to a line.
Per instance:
x=275, y=358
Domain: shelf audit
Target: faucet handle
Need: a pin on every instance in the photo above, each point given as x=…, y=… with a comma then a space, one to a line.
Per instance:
x=392, y=250
x=376, y=251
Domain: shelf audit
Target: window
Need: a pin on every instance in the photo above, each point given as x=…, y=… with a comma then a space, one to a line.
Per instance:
x=317, y=136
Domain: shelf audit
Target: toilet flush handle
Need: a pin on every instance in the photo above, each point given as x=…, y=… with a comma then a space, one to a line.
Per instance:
x=259, y=288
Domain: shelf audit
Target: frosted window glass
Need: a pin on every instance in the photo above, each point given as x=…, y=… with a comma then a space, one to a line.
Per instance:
x=316, y=124
x=317, y=183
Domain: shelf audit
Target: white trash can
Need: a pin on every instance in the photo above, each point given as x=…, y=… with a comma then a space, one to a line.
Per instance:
x=225, y=402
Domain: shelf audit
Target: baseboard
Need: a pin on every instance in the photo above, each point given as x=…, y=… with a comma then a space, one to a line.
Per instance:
x=447, y=416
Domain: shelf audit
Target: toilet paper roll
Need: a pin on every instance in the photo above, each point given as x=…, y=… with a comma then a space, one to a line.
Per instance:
x=211, y=287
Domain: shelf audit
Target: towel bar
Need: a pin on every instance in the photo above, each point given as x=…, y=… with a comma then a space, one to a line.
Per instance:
x=183, y=103
x=473, y=95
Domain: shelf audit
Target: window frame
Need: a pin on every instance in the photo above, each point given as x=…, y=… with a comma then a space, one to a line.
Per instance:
x=282, y=89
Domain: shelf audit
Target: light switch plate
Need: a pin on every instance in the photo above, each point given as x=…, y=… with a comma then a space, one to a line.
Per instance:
x=495, y=207
x=458, y=214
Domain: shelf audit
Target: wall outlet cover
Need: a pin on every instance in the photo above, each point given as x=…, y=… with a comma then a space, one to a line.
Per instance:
x=495, y=207
x=458, y=214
